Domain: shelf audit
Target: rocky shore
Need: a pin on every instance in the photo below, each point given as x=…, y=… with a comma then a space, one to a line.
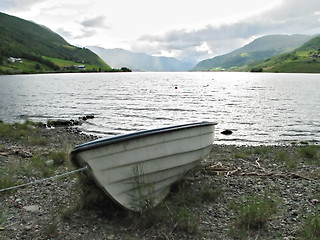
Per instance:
x=218, y=200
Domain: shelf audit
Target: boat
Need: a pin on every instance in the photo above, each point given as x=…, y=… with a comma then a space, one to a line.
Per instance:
x=136, y=170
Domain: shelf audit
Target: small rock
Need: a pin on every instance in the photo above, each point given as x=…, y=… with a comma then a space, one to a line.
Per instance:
x=226, y=132
x=49, y=163
x=32, y=208
x=27, y=227
x=110, y=237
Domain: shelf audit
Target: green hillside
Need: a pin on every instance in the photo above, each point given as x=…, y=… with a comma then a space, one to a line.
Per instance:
x=261, y=48
x=40, y=49
x=305, y=59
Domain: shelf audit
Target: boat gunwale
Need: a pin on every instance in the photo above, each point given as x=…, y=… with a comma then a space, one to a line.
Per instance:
x=126, y=137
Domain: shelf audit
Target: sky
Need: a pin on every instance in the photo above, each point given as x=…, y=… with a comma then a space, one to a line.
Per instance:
x=183, y=29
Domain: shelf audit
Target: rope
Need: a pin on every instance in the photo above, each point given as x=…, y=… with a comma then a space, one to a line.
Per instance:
x=44, y=179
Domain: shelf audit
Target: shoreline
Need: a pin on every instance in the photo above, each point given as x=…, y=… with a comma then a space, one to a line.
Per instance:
x=231, y=176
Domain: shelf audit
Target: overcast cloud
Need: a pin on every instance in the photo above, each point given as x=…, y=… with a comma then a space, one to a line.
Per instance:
x=177, y=28
x=291, y=17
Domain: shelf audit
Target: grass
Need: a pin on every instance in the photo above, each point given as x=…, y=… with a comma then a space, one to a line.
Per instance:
x=51, y=229
x=311, y=227
x=311, y=152
x=25, y=132
x=144, y=196
x=290, y=157
x=253, y=213
x=35, y=164
x=3, y=215
x=177, y=212
x=66, y=63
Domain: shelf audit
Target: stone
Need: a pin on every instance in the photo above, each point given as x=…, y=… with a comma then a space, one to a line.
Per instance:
x=49, y=163
x=32, y=208
x=226, y=132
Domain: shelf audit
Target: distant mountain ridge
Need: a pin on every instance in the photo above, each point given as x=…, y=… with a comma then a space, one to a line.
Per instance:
x=305, y=59
x=118, y=58
x=39, y=46
x=261, y=48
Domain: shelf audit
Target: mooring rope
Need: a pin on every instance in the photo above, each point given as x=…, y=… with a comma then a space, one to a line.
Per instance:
x=44, y=179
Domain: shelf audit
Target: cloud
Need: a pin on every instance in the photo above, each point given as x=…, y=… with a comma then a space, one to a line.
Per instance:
x=18, y=5
x=288, y=17
x=95, y=22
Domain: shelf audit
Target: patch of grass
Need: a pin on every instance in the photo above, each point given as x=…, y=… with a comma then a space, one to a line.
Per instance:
x=59, y=157
x=90, y=196
x=37, y=141
x=3, y=215
x=177, y=212
x=242, y=155
x=25, y=132
x=208, y=194
x=310, y=152
x=253, y=213
x=262, y=150
x=289, y=161
x=7, y=181
x=51, y=229
x=38, y=165
x=144, y=195
x=311, y=227
x=8, y=177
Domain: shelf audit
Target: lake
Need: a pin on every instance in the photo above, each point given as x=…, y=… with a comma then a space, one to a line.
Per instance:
x=260, y=108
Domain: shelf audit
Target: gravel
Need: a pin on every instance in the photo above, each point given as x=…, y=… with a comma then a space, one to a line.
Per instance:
x=52, y=209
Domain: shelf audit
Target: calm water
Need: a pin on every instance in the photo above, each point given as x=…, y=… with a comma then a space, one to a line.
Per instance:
x=258, y=108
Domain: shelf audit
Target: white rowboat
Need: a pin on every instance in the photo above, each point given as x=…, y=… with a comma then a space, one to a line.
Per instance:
x=137, y=170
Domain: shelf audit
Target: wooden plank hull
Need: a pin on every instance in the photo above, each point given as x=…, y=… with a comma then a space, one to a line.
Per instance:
x=136, y=170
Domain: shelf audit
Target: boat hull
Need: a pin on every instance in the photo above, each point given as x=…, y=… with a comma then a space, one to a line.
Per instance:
x=136, y=170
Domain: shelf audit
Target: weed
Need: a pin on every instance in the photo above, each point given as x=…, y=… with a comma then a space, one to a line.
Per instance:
x=253, y=213
x=3, y=215
x=92, y=197
x=51, y=229
x=7, y=179
x=176, y=211
x=310, y=152
x=311, y=228
x=241, y=155
x=262, y=150
x=143, y=198
x=37, y=141
x=6, y=182
x=283, y=156
x=59, y=157
x=209, y=195
x=180, y=209
x=290, y=161
x=24, y=132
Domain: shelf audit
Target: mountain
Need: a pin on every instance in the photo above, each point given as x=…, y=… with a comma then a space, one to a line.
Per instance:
x=39, y=48
x=118, y=58
x=305, y=59
x=261, y=48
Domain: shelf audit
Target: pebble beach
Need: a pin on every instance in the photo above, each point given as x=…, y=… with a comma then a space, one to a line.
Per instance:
x=286, y=177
